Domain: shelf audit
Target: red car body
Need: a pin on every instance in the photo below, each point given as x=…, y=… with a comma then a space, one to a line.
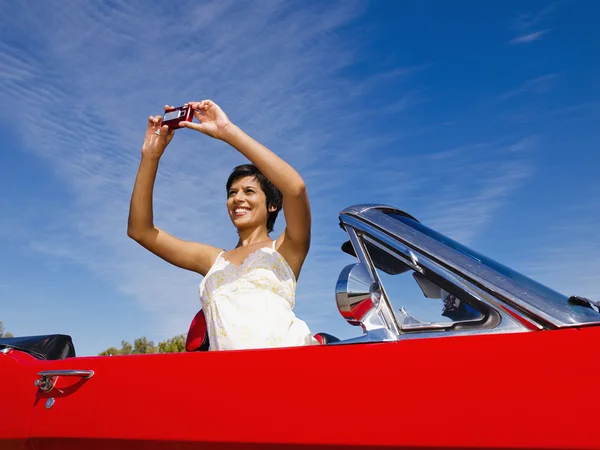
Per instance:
x=528, y=389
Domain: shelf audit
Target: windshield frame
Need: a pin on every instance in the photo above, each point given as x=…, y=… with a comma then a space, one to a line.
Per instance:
x=532, y=298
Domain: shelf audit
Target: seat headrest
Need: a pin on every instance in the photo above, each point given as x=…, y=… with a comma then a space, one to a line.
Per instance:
x=197, y=337
x=325, y=338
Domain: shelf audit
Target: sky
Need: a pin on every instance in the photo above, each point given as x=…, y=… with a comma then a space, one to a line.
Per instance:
x=478, y=118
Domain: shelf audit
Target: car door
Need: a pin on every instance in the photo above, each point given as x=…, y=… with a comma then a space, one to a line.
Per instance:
x=179, y=400
x=115, y=401
x=16, y=382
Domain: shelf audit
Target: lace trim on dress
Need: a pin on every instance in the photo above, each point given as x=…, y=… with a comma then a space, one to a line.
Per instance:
x=252, y=257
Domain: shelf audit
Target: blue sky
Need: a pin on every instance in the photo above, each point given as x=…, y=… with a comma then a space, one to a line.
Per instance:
x=478, y=118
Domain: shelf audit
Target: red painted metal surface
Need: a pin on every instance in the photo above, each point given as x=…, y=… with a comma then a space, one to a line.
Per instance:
x=15, y=408
x=527, y=390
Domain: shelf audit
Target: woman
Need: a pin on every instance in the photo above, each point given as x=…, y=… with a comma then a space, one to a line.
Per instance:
x=247, y=293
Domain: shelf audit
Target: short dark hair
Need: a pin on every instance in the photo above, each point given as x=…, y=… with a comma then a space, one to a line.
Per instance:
x=274, y=196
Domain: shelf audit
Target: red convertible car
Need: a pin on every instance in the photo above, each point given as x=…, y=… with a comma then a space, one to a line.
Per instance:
x=457, y=351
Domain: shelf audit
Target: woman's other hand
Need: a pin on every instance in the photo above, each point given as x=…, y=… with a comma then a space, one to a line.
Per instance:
x=157, y=136
x=213, y=121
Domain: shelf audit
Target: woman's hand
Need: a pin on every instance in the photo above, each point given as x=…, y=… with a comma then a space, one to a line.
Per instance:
x=213, y=121
x=157, y=136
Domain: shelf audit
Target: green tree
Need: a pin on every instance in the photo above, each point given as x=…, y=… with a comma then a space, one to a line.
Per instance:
x=126, y=348
x=112, y=351
x=3, y=332
x=142, y=346
x=174, y=345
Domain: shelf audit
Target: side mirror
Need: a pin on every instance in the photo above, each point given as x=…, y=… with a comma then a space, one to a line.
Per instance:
x=356, y=293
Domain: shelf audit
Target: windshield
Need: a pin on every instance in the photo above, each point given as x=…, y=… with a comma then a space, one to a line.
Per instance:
x=549, y=295
x=417, y=301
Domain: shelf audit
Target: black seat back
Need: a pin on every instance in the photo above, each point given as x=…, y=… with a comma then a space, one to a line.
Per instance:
x=50, y=346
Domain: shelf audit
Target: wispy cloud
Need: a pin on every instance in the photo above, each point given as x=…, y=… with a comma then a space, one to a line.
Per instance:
x=568, y=259
x=476, y=187
x=590, y=109
x=400, y=73
x=529, y=37
x=457, y=191
x=528, y=25
x=586, y=111
x=538, y=85
x=531, y=19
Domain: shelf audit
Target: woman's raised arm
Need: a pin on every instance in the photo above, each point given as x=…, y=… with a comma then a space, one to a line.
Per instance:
x=185, y=254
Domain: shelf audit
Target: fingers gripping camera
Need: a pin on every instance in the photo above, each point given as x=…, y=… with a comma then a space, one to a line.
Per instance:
x=175, y=116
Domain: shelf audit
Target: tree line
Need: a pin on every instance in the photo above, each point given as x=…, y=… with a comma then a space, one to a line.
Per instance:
x=142, y=346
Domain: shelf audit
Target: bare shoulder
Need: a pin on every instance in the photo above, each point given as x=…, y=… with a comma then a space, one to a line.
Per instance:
x=204, y=256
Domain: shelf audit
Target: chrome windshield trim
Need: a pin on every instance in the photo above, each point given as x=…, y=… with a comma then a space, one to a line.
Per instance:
x=385, y=310
x=506, y=313
x=510, y=320
x=527, y=303
x=362, y=208
x=357, y=209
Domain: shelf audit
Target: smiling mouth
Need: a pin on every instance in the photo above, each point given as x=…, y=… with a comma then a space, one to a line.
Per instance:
x=238, y=212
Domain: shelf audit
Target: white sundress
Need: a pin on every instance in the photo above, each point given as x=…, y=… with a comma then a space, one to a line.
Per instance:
x=251, y=306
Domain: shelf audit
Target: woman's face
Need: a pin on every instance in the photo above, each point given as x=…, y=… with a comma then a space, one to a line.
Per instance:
x=246, y=203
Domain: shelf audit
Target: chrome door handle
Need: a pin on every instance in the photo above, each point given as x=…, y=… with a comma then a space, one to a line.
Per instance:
x=49, y=377
x=67, y=373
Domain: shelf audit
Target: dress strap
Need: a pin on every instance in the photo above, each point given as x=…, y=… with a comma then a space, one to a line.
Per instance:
x=274, y=242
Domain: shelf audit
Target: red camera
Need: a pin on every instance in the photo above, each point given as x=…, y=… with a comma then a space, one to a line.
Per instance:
x=173, y=117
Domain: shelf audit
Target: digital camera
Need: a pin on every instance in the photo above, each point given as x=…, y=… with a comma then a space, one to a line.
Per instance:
x=173, y=117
